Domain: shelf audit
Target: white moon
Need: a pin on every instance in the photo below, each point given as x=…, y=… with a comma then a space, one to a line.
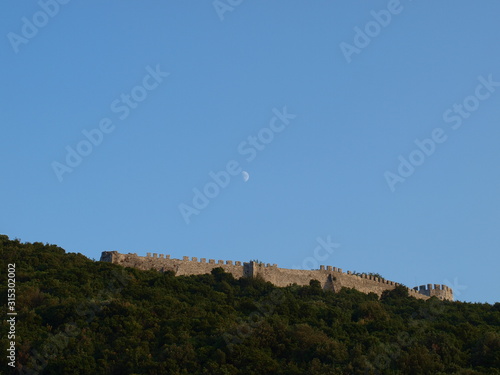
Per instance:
x=245, y=175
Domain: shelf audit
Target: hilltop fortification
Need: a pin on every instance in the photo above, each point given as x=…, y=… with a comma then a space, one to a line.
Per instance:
x=330, y=278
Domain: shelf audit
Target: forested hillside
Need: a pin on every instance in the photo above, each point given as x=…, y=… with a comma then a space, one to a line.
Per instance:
x=78, y=316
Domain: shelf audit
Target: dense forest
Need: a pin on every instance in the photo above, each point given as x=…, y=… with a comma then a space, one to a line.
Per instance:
x=79, y=316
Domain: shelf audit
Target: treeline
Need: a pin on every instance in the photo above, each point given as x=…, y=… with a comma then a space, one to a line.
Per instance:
x=78, y=316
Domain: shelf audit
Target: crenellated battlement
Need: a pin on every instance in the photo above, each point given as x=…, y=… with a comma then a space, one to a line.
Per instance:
x=186, y=259
x=331, y=278
x=437, y=290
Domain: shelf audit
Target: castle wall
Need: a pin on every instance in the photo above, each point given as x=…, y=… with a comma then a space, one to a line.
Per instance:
x=185, y=266
x=284, y=277
x=440, y=291
x=371, y=284
x=330, y=278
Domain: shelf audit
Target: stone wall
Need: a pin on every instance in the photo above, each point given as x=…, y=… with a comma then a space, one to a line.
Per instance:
x=440, y=291
x=330, y=278
x=161, y=262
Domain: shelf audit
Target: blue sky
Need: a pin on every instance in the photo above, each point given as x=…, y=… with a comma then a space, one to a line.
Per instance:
x=170, y=91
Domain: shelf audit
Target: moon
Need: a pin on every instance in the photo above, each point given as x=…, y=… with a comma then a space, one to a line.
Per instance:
x=245, y=175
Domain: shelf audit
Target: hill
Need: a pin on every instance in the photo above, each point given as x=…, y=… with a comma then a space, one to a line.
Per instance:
x=78, y=316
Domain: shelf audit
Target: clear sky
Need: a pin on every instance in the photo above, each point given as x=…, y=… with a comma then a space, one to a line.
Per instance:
x=371, y=125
